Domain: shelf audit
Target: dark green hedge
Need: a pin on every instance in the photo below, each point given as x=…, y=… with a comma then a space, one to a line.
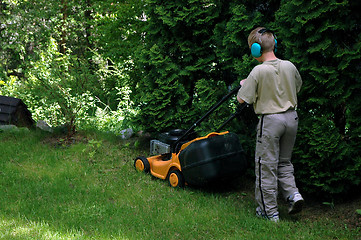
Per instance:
x=323, y=39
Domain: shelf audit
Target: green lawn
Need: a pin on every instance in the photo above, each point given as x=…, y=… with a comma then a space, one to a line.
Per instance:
x=90, y=190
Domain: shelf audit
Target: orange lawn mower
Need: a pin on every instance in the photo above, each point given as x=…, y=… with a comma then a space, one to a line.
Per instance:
x=184, y=159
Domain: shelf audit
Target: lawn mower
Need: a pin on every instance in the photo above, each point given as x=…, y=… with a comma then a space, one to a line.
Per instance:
x=184, y=159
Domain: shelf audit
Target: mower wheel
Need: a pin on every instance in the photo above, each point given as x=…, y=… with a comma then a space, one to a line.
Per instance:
x=176, y=179
x=141, y=164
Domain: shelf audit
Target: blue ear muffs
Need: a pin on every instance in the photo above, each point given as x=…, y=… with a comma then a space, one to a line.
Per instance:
x=256, y=48
x=275, y=49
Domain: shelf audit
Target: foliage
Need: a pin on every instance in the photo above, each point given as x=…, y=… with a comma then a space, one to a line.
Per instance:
x=108, y=120
x=156, y=65
x=328, y=160
x=358, y=211
x=116, y=27
x=82, y=32
x=177, y=53
x=192, y=54
x=115, y=36
x=323, y=40
x=62, y=80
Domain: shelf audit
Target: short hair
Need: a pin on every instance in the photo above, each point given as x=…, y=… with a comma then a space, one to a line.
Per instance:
x=264, y=37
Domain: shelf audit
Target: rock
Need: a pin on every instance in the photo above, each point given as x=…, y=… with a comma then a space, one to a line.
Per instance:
x=44, y=126
x=126, y=133
x=8, y=127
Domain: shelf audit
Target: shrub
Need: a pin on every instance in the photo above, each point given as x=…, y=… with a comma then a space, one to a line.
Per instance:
x=61, y=81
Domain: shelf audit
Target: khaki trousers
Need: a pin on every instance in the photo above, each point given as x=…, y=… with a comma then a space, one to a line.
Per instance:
x=276, y=135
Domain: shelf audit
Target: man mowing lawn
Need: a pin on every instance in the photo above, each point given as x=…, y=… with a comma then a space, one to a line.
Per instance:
x=272, y=88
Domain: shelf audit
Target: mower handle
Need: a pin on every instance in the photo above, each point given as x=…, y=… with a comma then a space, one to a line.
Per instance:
x=238, y=112
x=214, y=107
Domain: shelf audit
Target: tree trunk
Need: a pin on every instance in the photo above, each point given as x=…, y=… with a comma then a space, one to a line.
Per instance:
x=64, y=11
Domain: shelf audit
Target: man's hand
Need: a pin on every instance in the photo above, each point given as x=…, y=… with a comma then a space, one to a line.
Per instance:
x=240, y=100
x=242, y=82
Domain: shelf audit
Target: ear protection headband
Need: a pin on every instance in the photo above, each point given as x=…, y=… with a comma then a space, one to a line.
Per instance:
x=256, y=48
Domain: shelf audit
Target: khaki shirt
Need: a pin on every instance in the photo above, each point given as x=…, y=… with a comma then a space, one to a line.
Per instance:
x=272, y=87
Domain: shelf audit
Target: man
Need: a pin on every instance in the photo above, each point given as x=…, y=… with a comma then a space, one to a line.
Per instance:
x=272, y=88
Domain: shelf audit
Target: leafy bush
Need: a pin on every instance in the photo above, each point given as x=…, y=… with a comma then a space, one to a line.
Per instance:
x=61, y=81
x=107, y=120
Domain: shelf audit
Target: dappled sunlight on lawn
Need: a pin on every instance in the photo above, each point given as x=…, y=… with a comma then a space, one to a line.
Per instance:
x=24, y=229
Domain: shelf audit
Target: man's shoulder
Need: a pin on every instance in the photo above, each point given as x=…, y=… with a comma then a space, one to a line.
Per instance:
x=287, y=63
x=259, y=67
